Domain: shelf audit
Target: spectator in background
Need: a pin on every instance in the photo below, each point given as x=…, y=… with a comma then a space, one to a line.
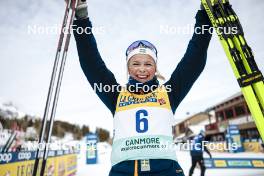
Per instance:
x=197, y=152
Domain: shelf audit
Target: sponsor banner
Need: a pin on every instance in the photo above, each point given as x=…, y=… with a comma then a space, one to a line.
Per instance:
x=233, y=137
x=252, y=146
x=64, y=165
x=59, y=153
x=230, y=163
x=11, y=157
x=91, y=148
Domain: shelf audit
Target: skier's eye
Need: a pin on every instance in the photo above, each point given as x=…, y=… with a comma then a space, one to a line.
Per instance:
x=148, y=64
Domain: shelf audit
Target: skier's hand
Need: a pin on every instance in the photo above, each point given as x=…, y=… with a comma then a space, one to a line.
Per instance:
x=81, y=3
x=210, y=156
x=81, y=9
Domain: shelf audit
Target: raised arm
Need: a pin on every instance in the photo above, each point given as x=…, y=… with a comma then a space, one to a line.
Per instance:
x=92, y=64
x=192, y=63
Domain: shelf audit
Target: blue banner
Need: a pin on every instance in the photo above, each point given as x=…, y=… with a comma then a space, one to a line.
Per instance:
x=233, y=137
x=91, y=148
x=11, y=157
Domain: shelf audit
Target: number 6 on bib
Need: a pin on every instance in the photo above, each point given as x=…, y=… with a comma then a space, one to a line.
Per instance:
x=141, y=121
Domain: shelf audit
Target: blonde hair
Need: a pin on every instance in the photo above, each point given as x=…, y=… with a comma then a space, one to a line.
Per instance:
x=159, y=76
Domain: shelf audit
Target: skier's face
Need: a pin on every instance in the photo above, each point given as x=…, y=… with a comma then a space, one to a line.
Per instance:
x=141, y=67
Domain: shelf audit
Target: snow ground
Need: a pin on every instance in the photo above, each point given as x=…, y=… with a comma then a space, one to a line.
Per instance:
x=103, y=166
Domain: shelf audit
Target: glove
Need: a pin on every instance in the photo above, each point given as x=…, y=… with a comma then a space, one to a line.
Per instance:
x=81, y=10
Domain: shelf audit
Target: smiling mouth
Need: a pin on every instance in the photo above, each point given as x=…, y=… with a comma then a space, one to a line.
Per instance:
x=142, y=76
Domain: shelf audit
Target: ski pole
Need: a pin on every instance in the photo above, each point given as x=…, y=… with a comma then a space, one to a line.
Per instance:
x=3, y=150
x=53, y=77
x=9, y=142
x=56, y=96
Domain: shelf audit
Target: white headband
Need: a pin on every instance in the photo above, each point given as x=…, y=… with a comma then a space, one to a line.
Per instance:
x=141, y=50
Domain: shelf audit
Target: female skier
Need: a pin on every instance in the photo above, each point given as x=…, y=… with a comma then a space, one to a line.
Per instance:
x=143, y=111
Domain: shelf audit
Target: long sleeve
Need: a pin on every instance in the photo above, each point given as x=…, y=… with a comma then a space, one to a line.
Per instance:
x=92, y=64
x=192, y=63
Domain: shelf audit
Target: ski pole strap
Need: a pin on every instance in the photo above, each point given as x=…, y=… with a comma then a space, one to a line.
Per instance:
x=250, y=79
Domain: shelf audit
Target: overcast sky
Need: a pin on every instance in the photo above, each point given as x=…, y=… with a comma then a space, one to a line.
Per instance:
x=26, y=59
